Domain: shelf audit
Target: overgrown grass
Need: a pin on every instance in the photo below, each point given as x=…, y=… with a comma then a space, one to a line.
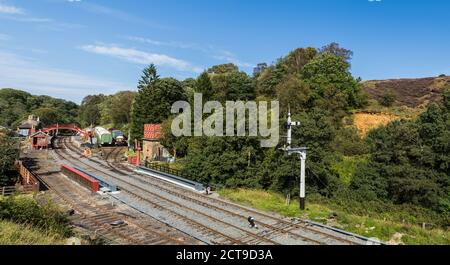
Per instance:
x=38, y=213
x=17, y=234
x=386, y=228
x=403, y=112
x=347, y=166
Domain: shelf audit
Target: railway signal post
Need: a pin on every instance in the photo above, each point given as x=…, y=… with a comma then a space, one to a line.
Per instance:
x=302, y=153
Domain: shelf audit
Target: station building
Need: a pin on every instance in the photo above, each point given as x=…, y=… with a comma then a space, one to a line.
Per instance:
x=152, y=149
x=40, y=140
x=28, y=127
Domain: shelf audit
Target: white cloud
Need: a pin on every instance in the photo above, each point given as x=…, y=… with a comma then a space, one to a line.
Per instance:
x=11, y=10
x=19, y=15
x=231, y=58
x=141, y=57
x=209, y=50
x=173, y=44
x=27, y=74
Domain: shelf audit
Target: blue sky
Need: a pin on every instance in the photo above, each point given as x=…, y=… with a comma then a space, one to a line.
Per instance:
x=71, y=48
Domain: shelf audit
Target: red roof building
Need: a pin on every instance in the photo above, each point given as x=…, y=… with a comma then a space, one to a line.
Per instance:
x=40, y=140
x=152, y=149
x=152, y=131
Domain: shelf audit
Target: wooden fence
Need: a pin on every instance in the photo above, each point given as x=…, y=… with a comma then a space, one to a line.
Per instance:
x=29, y=182
x=20, y=189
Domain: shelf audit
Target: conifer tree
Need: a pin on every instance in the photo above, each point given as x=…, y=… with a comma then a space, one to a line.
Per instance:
x=142, y=104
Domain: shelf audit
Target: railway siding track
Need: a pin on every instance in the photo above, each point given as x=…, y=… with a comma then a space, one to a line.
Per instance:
x=98, y=218
x=277, y=226
x=135, y=192
x=274, y=227
x=199, y=215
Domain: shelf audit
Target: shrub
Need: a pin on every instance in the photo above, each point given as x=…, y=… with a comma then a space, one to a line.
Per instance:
x=25, y=210
x=388, y=98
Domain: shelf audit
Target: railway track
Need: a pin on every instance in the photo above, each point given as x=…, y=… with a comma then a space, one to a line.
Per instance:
x=274, y=226
x=157, y=202
x=98, y=218
x=278, y=226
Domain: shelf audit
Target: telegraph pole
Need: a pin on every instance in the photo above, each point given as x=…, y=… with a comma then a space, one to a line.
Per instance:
x=302, y=153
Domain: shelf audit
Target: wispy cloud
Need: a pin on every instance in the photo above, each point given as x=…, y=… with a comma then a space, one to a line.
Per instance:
x=231, y=58
x=27, y=74
x=19, y=14
x=173, y=44
x=118, y=14
x=209, y=50
x=4, y=37
x=46, y=24
x=29, y=19
x=141, y=57
x=11, y=10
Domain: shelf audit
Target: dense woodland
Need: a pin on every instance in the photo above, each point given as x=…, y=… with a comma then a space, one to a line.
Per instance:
x=16, y=105
x=406, y=163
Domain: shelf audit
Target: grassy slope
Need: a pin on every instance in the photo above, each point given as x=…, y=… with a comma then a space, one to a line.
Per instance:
x=412, y=97
x=385, y=228
x=16, y=234
x=413, y=92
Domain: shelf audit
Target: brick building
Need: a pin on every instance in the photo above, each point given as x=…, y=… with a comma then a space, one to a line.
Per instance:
x=152, y=150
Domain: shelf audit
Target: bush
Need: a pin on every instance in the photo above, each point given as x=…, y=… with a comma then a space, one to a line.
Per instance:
x=26, y=211
x=8, y=155
x=348, y=142
x=388, y=98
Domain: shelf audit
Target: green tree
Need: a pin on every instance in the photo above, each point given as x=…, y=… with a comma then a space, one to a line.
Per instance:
x=89, y=112
x=48, y=116
x=348, y=143
x=141, y=106
x=233, y=86
x=410, y=161
x=239, y=87
x=189, y=86
x=223, y=161
x=153, y=103
x=116, y=109
x=16, y=105
x=295, y=93
x=203, y=85
x=149, y=76
x=298, y=58
x=268, y=80
x=332, y=83
x=334, y=49
x=291, y=65
x=223, y=69
x=9, y=152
